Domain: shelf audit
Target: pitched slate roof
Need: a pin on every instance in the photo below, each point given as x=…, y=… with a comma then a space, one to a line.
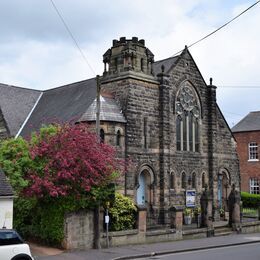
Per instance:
x=5, y=187
x=167, y=63
x=16, y=103
x=109, y=111
x=251, y=122
x=63, y=104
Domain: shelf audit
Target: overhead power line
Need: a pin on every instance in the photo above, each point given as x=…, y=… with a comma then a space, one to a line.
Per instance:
x=239, y=86
x=222, y=26
x=235, y=114
x=72, y=37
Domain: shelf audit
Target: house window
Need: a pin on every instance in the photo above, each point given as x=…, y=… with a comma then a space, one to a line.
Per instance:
x=254, y=186
x=102, y=135
x=252, y=151
x=187, y=119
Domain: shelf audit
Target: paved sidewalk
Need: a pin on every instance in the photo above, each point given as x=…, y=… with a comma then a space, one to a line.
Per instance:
x=132, y=251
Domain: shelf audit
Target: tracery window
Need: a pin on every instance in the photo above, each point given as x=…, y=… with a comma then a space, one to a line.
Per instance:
x=187, y=119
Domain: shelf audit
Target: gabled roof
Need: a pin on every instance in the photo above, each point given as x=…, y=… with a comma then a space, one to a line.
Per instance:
x=109, y=111
x=5, y=187
x=16, y=103
x=251, y=122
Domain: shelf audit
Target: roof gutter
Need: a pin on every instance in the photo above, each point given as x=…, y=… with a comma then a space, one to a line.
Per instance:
x=7, y=197
x=27, y=118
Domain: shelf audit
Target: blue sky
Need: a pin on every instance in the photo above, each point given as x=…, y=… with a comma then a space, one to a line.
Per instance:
x=37, y=52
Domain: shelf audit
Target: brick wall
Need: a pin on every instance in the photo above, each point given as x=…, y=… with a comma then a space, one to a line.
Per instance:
x=248, y=169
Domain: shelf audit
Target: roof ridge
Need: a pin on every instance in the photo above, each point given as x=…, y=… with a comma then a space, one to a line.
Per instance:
x=12, y=86
x=70, y=84
x=167, y=58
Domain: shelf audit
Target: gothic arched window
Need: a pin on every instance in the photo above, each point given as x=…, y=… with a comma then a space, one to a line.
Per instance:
x=193, y=180
x=183, y=180
x=172, y=180
x=102, y=135
x=118, y=138
x=203, y=180
x=187, y=119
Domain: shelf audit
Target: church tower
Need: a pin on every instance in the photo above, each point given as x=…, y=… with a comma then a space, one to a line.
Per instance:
x=127, y=56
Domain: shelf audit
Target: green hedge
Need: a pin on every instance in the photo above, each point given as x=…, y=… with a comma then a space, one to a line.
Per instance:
x=250, y=200
x=43, y=220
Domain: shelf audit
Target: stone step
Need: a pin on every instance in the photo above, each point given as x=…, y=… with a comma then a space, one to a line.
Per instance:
x=219, y=234
x=223, y=231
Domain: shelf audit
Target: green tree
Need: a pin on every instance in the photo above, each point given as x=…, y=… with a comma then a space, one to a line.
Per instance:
x=15, y=160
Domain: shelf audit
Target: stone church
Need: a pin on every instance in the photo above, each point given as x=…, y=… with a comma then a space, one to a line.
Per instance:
x=162, y=116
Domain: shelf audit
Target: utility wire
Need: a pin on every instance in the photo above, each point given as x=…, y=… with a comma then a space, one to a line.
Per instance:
x=227, y=112
x=208, y=35
x=72, y=37
x=239, y=86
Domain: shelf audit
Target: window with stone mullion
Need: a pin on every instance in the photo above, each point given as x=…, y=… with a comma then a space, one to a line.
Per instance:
x=191, y=132
x=187, y=119
x=196, y=135
x=179, y=133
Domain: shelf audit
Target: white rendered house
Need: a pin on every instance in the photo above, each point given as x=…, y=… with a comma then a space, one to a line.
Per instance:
x=6, y=202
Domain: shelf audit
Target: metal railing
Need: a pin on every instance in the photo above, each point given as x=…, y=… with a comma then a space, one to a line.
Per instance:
x=251, y=213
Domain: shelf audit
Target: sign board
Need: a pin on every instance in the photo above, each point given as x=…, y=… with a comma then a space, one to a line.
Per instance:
x=190, y=198
x=106, y=219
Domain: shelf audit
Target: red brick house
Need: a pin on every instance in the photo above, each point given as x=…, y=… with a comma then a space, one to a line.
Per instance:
x=247, y=135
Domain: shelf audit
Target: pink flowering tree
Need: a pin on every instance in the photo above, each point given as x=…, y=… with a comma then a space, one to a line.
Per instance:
x=70, y=162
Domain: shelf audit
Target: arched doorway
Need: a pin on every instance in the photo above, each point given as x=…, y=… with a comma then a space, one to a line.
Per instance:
x=223, y=189
x=144, y=194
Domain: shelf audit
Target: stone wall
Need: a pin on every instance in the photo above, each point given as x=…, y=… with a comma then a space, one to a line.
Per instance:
x=79, y=230
x=79, y=233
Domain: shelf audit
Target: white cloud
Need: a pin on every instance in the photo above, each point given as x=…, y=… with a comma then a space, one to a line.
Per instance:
x=37, y=52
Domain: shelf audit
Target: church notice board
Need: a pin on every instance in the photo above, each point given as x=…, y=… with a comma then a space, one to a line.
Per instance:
x=190, y=198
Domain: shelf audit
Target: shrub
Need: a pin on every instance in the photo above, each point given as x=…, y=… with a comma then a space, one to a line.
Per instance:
x=122, y=213
x=250, y=200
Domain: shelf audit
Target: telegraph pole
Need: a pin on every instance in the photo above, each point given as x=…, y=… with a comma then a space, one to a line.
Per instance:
x=98, y=108
x=97, y=209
